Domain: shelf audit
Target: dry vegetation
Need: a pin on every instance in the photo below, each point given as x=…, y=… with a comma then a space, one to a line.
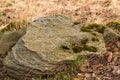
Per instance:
x=99, y=11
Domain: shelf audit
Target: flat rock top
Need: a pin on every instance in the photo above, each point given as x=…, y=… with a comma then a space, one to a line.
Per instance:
x=48, y=36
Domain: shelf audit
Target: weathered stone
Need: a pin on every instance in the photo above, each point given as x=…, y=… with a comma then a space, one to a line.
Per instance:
x=47, y=44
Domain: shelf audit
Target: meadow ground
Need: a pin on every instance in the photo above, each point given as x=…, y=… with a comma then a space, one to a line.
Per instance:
x=99, y=11
x=86, y=11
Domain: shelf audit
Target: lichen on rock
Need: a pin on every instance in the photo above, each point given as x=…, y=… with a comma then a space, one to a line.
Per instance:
x=93, y=27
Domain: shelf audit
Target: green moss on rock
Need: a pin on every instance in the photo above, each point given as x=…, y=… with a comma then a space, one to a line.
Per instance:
x=76, y=22
x=77, y=49
x=99, y=28
x=83, y=42
x=94, y=34
x=93, y=27
x=90, y=48
x=114, y=25
x=85, y=29
x=95, y=39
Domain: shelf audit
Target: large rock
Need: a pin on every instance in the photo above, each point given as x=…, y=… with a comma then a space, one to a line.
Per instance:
x=47, y=44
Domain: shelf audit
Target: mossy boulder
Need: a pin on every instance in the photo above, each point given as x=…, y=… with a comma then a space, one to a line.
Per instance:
x=47, y=44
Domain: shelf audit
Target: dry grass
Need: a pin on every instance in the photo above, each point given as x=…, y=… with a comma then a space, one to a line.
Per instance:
x=99, y=11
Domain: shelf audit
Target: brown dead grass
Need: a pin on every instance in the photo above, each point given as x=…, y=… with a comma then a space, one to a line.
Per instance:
x=99, y=11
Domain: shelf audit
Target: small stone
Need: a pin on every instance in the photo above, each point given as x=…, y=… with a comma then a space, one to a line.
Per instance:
x=97, y=78
x=79, y=75
x=116, y=70
x=110, y=57
x=87, y=75
x=93, y=75
x=96, y=72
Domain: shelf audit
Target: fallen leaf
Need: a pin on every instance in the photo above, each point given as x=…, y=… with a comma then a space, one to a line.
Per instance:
x=79, y=75
x=110, y=57
x=96, y=72
x=83, y=69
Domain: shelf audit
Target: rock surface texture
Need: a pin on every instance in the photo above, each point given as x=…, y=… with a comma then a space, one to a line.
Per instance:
x=48, y=43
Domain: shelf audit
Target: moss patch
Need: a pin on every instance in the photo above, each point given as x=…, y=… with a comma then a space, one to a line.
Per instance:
x=94, y=34
x=83, y=42
x=76, y=22
x=85, y=29
x=93, y=27
x=78, y=49
x=95, y=39
x=114, y=25
x=90, y=48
